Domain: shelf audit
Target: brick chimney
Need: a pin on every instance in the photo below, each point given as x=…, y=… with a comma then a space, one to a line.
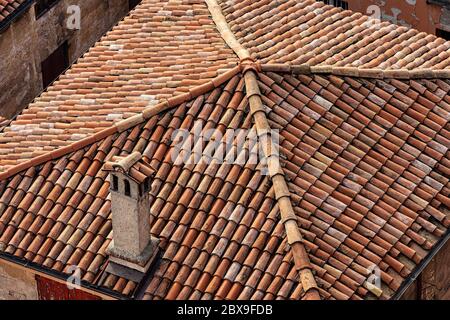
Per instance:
x=132, y=249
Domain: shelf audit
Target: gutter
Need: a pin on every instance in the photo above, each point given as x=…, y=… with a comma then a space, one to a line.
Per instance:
x=413, y=277
x=15, y=15
x=102, y=292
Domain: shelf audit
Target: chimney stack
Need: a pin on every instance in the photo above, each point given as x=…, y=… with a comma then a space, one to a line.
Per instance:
x=132, y=249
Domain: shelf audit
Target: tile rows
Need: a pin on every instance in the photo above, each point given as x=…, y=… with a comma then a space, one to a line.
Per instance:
x=217, y=223
x=7, y=7
x=161, y=49
x=310, y=32
x=367, y=163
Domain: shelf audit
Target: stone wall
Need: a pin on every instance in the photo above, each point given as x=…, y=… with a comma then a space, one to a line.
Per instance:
x=16, y=283
x=27, y=42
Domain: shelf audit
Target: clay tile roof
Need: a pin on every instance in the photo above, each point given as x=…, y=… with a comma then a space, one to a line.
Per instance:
x=162, y=48
x=309, y=31
x=361, y=183
x=8, y=8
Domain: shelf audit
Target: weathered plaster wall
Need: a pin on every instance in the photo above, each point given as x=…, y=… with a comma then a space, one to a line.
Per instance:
x=412, y=13
x=27, y=42
x=16, y=284
x=434, y=281
x=19, y=76
x=439, y=270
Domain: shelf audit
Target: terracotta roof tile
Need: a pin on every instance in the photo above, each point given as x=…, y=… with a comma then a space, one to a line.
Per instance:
x=361, y=181
x=239, y=251
x=129, y=69
x=313, y=33
x=9, y=7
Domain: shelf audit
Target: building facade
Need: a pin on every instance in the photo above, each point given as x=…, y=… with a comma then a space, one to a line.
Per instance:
x=41, y=39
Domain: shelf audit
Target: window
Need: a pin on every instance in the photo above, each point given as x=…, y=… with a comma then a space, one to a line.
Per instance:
x=443, y=34
x=337, y=3
x=54, y=65
x=127, y=188
x=42, y=6
x=115, y=183
x=133, y=3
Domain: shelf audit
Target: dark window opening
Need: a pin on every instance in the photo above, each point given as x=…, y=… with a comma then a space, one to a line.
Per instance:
x=443, y=34
x=337, y=3
x=127, y=188
x=115, y=183
x=42, y=6
x=54, y=65
x=133, y=3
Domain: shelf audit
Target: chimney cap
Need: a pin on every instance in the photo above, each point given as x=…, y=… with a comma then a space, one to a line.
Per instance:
x=132, y=165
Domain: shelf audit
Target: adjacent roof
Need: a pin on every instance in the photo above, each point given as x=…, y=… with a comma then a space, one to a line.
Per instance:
x=8, y=8
x=162, y=48
x=362, y=183
x=308, y=31
x=165, y=47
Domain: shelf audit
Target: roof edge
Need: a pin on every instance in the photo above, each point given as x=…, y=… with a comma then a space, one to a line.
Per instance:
x=16, y=14
x=421, y=267
x=123, y=125
x=375, y=73
x=60, y=277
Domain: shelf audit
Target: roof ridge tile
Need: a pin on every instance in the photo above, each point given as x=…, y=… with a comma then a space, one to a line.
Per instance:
x=249, y=68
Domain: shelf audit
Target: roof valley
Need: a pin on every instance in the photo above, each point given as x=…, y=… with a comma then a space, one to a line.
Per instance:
x=276, y=173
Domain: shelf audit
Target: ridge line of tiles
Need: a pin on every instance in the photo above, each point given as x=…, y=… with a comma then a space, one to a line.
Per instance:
x=374, y=73
x=123, y=124
x=249, y=68
x=225, y=31
x=282, y=194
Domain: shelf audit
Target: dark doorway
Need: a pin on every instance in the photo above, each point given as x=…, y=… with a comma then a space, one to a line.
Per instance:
x=133, y=3
x=54, y=65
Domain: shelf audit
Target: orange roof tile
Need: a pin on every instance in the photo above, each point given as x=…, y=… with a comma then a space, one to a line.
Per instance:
x=8, y=8
x=361, y=183
x=308, y=31
x=367, y=183
x=161, y=49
